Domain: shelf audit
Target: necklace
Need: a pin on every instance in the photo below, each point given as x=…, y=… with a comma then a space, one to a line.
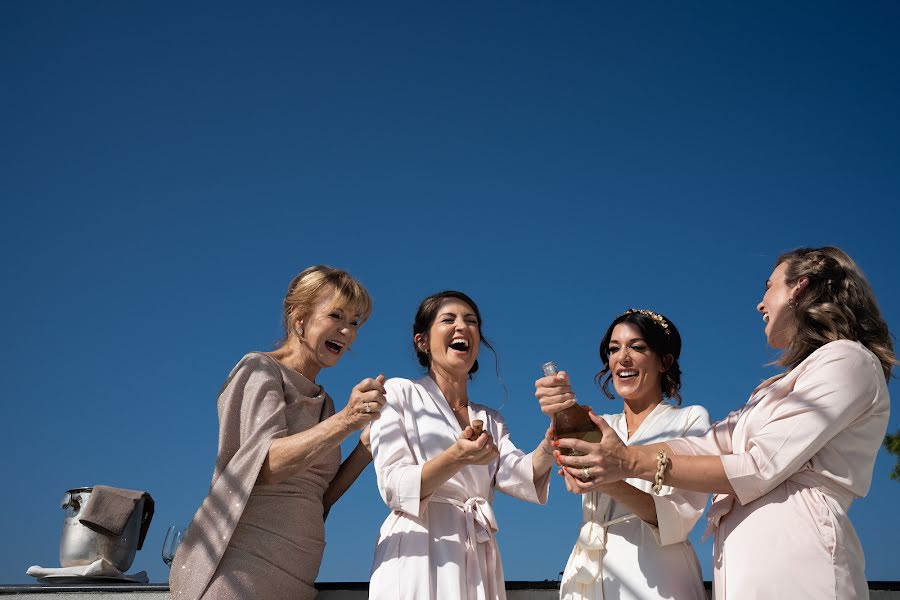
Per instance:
x=459, y=407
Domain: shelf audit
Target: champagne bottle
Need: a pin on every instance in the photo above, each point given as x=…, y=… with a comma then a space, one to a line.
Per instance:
x=572, y=422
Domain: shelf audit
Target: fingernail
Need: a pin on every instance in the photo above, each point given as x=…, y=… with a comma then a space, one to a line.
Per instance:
x=556, y=443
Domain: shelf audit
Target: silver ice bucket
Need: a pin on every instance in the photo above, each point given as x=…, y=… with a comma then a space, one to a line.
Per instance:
x=81, y=545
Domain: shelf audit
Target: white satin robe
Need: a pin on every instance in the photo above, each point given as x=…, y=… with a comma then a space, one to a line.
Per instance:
x=797, y=454
x=629, y=559
x=442, y=546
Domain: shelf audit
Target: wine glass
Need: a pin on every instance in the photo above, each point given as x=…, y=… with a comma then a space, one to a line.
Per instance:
x=174, y=535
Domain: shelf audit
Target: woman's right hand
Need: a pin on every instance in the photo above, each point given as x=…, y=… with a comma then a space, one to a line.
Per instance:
x=554, y=393
x=365, y=404
x=480, y=451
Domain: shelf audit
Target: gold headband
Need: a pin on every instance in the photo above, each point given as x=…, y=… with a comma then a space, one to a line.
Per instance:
x=656, y=317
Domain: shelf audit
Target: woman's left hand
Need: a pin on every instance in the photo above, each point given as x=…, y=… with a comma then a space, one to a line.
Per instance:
x=599, y=463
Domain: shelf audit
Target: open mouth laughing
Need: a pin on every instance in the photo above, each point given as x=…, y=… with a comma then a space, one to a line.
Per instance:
x=626, y=374
x=334, y=346
x=459, y=345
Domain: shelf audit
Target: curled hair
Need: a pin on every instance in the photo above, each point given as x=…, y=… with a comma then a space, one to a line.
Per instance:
x=662, y=338
x=310, y=287
x=837, y=304
x=428, y=312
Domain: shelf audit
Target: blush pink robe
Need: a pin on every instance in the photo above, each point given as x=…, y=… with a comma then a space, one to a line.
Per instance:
x=797, y=454
x=442, y=546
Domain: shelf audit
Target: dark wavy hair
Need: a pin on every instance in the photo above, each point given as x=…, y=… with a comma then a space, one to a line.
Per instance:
x=663, y=341
x=427, y=313
x=838, y=304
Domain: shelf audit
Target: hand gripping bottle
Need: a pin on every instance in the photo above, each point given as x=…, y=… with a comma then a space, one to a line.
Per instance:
x=572, y=422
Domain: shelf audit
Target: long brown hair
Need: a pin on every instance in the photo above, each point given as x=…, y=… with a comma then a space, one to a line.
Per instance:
x=838, y=304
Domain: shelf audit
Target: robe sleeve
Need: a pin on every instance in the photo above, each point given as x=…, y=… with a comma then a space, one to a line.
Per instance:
x=397, y=469
x=832, y=392
x=715, y=441
x=515, y=470
x=251, y=416
x=677, y=510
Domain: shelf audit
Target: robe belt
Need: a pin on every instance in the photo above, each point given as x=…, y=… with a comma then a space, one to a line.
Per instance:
x=723, y=503
x=587, y=557
x=480, y=527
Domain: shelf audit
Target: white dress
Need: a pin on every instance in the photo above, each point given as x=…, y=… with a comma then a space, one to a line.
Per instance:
x=442, y=546
x=618, y=556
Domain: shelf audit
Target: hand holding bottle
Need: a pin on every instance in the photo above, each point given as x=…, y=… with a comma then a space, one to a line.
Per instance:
x=570, y=419
x=554, y=393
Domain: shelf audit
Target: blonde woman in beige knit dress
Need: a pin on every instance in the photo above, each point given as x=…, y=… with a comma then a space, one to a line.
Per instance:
x=260, y=532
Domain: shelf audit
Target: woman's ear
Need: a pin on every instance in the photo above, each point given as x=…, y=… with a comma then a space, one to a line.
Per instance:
x=421, y=341
x=799, y=288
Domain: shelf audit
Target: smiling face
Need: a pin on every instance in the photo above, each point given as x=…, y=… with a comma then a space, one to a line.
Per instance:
x=453, y=340
x=776, y=311
x=329, y=330
x=636, y=369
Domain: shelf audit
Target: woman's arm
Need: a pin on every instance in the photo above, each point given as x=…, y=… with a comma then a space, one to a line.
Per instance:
x=543, y=457
x=610, y=461
x=292, y=454
x=348, y=472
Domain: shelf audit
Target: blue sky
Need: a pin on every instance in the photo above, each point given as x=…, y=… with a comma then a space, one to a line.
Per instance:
x=168, y=167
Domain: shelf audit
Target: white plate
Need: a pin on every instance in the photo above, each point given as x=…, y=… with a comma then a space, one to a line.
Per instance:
x=69, y=579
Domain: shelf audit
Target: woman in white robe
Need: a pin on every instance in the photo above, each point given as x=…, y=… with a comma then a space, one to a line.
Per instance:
x=438, y=475
x=633, y=544
x=786, y=466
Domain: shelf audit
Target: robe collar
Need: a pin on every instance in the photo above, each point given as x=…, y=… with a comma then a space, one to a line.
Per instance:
x=621, y=425
x=441, y=404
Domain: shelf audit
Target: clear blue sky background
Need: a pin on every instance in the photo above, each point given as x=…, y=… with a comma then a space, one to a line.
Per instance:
x=167, y=168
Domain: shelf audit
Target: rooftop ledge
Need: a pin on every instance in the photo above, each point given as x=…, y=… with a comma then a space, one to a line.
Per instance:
x=516, y=590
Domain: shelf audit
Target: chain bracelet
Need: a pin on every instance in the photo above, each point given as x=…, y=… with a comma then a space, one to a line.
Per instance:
x=662, y=463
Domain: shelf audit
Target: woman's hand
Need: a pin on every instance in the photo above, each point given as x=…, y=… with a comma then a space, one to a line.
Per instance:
x=480, y=451
x=365, y=404
x=554, y=393
x=600, y=463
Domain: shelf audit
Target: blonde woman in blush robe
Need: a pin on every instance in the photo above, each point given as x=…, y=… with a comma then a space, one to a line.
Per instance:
x=260, y=532
x=786, y=466
x=633, y=544
x=438, y=475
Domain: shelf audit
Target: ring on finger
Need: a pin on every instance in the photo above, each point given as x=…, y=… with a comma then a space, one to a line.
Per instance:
x=586, y=473
x=367, y=410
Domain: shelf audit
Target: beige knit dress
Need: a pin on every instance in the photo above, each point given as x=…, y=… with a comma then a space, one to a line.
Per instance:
x=249, y=540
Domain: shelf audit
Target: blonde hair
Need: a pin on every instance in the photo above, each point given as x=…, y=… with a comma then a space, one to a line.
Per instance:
x=310, y=287
x=838, y=304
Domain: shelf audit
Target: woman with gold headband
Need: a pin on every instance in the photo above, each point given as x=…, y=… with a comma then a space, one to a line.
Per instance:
x=786, y=466
x=260, y=532
x=633, y=543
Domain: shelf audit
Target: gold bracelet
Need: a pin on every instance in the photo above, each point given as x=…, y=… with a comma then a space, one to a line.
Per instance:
x=662, y=462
